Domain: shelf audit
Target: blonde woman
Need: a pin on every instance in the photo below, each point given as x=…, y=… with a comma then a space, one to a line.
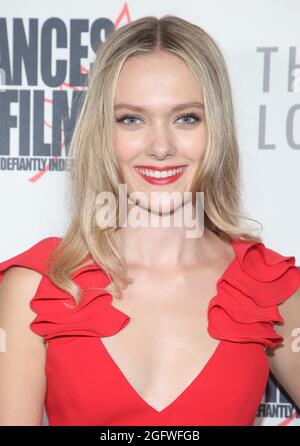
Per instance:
x=130, y=324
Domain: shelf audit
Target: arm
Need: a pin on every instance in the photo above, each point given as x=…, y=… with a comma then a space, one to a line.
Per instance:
x=284, y=361
x=22, y=364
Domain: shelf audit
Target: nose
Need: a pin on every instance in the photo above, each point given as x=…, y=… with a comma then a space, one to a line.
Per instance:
x=160, y=147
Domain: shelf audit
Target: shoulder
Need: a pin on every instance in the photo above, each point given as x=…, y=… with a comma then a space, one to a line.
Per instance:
x=20, y=279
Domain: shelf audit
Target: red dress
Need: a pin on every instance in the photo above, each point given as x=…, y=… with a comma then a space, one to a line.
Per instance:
x=86, y=387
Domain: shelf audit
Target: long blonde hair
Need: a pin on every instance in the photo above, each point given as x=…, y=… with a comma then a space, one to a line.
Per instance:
x=95, y=168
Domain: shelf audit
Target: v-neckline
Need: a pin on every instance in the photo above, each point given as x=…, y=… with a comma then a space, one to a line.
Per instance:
x=181, y=394
x=199, y=375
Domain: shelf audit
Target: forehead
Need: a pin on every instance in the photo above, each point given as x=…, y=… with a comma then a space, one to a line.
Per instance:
x=157, y=79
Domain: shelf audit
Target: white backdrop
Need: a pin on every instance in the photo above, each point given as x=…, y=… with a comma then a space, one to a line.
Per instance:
x=260, y=42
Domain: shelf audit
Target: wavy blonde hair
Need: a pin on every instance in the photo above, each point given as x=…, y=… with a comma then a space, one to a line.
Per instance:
x=95, y=168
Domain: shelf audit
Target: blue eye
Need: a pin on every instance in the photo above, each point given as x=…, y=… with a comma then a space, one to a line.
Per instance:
x=191, y=115
x=186, y=115
x=123, y=118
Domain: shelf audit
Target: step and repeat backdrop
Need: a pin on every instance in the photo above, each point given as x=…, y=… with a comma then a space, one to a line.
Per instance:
x=45, y=54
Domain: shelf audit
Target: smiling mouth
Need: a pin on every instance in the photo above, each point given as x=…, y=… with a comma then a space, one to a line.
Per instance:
x=161, y=176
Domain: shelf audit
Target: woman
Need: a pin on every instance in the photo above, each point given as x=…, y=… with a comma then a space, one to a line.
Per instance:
x=170, y=328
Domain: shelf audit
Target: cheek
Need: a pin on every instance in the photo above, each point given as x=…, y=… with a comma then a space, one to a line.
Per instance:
x=126, y=147
x=193, y=146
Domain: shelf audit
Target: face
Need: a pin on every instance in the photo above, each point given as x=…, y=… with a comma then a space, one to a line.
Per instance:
x=158, y=129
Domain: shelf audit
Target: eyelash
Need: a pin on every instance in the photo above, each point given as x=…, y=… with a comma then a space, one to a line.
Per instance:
x=190, y=115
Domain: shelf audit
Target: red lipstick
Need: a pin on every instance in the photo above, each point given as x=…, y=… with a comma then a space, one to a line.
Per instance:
x=160, y=168
x=163, y=180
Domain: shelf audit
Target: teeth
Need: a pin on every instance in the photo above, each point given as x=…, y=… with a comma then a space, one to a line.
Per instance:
x=160, y=174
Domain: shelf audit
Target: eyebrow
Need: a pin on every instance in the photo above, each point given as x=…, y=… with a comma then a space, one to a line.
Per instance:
x=176, y=108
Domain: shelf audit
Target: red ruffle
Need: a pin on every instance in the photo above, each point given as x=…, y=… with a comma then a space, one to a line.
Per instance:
x=94, y=316
x=57, y=317
x=245, y=307
x=243, y=310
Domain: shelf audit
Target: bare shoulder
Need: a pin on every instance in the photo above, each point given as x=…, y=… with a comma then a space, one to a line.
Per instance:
x=23, y=353
x=18, y=286
x=284, y=360
x=290, y=328
x=20, y=273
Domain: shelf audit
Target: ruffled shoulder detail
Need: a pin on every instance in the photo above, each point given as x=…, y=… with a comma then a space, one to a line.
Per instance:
x=245, y=307
x=58, y=318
